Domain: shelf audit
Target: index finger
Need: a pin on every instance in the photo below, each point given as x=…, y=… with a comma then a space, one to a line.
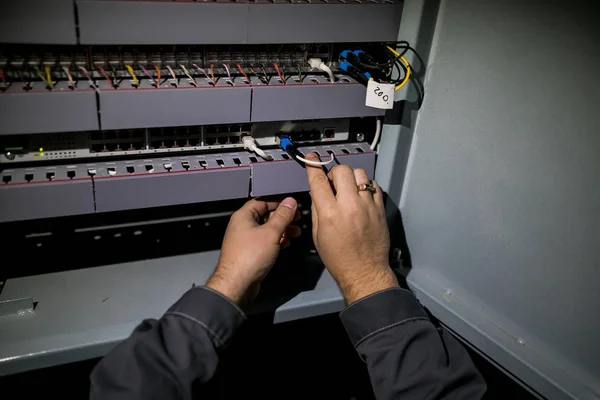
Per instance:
x=320, y=188
x=258, y=208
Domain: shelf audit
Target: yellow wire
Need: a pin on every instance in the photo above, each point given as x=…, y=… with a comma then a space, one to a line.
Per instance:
x=407, y=76
x=48, y=77
x=132, y=73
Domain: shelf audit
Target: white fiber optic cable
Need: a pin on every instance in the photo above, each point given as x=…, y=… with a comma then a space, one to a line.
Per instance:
x=251, y=145
x=325, y=68
x=317, y=63
x=173, y=75
x=377, y=135
x=316, y=163
x=228, y=73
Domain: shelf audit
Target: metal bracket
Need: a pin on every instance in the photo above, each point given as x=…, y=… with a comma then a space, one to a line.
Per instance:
x=16, y=306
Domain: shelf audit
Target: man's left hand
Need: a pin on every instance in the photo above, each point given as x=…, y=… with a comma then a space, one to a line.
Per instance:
x=254, y=236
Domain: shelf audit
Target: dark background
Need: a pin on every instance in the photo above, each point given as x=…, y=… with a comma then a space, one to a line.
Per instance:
x=304, y=359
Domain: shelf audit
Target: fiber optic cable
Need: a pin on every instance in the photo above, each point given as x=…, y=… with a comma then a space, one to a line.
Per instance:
x=132, y=73
x=279, y=73
x=407, y=75
x=147, y=73
x=173, y=76
x=202, y=71
x=157, y=76
x=103, y=72
x=187, y=73
x=69, y=77
x=48, y=77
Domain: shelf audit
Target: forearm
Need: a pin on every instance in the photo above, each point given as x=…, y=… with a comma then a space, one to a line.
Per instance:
x=406, y=355
x=163, y=357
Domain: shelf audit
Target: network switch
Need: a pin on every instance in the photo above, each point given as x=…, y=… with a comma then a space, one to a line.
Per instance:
x=62, y=147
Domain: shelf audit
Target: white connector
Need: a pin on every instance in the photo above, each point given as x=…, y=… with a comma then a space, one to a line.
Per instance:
x=251, y=145
x=317, y=63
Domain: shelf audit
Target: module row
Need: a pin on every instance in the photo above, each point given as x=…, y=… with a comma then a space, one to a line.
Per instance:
x=63, y=190
x=198, y=22
x=86, y=109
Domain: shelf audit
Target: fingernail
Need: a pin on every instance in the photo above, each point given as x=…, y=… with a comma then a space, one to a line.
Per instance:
x=289, y=202
x=312, y=156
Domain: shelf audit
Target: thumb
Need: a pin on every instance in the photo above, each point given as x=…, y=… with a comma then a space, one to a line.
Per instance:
x=282, y=217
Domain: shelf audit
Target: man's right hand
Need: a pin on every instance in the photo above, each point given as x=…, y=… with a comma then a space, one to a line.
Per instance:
x=350, y=230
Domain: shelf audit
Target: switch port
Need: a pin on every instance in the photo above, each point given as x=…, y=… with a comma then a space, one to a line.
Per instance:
x=237, y=161
x=203, y=163
x=220, y=162
x=360, y=150
x=92, y=171
x=285, y=156
x=185, y=164
x=168, y=166
x=328, y=133
x=234, y=139
x=149, y=168
x=112, y=171
x=313, y=135
x=50, y=175
x=6, y=178
x=71, y=173
x=130, y=169
x=28, y=177
x=345, y=151
x=211, y=141
x=253, y=159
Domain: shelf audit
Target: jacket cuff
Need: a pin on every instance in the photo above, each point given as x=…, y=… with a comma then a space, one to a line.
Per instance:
x=380, y=311
x=210, y=309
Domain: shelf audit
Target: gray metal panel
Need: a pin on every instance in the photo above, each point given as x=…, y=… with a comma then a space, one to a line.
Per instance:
x=84, y=313
x=45, y=200
x=147, y=108
x=308, y=101
x=502, y=198
x=41, y=112
x=38, y=21
x=267, y=177
x=323, y=23
x=154, y=190
x=151, y=22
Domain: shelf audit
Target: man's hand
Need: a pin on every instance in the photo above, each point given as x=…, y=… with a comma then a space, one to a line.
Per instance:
x=254, y=236
x=350, y=230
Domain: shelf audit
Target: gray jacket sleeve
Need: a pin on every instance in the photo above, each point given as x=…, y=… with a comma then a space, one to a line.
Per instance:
x=161, y=359
x=406, y=355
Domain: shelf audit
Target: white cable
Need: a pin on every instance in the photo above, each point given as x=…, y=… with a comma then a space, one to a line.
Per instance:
x=325, y=68
x=261, y=153
x=251, y=145
x=176, y=83
x=316, y=163
x=317, y=63
x=377, y=135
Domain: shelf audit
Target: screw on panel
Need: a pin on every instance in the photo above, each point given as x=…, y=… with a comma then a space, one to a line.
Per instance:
x=447, y=295
x=521, y=341
x=360, y=137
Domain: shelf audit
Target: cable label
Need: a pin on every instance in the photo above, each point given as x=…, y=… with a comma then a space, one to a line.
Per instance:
x=380, y=95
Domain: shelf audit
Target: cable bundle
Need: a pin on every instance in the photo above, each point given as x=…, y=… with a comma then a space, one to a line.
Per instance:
x=379, y=62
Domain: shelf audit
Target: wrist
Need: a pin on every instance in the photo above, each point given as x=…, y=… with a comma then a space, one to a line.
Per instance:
x=227, y=287
x=375, y=280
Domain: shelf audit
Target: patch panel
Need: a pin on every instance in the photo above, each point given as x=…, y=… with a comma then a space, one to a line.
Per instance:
x=137, y=142
x=37, y=192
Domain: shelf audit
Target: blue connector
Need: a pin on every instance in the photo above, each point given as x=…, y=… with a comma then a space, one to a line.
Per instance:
x=286, y=143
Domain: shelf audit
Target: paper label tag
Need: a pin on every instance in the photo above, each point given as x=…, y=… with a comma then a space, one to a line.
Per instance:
x=380, y=95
